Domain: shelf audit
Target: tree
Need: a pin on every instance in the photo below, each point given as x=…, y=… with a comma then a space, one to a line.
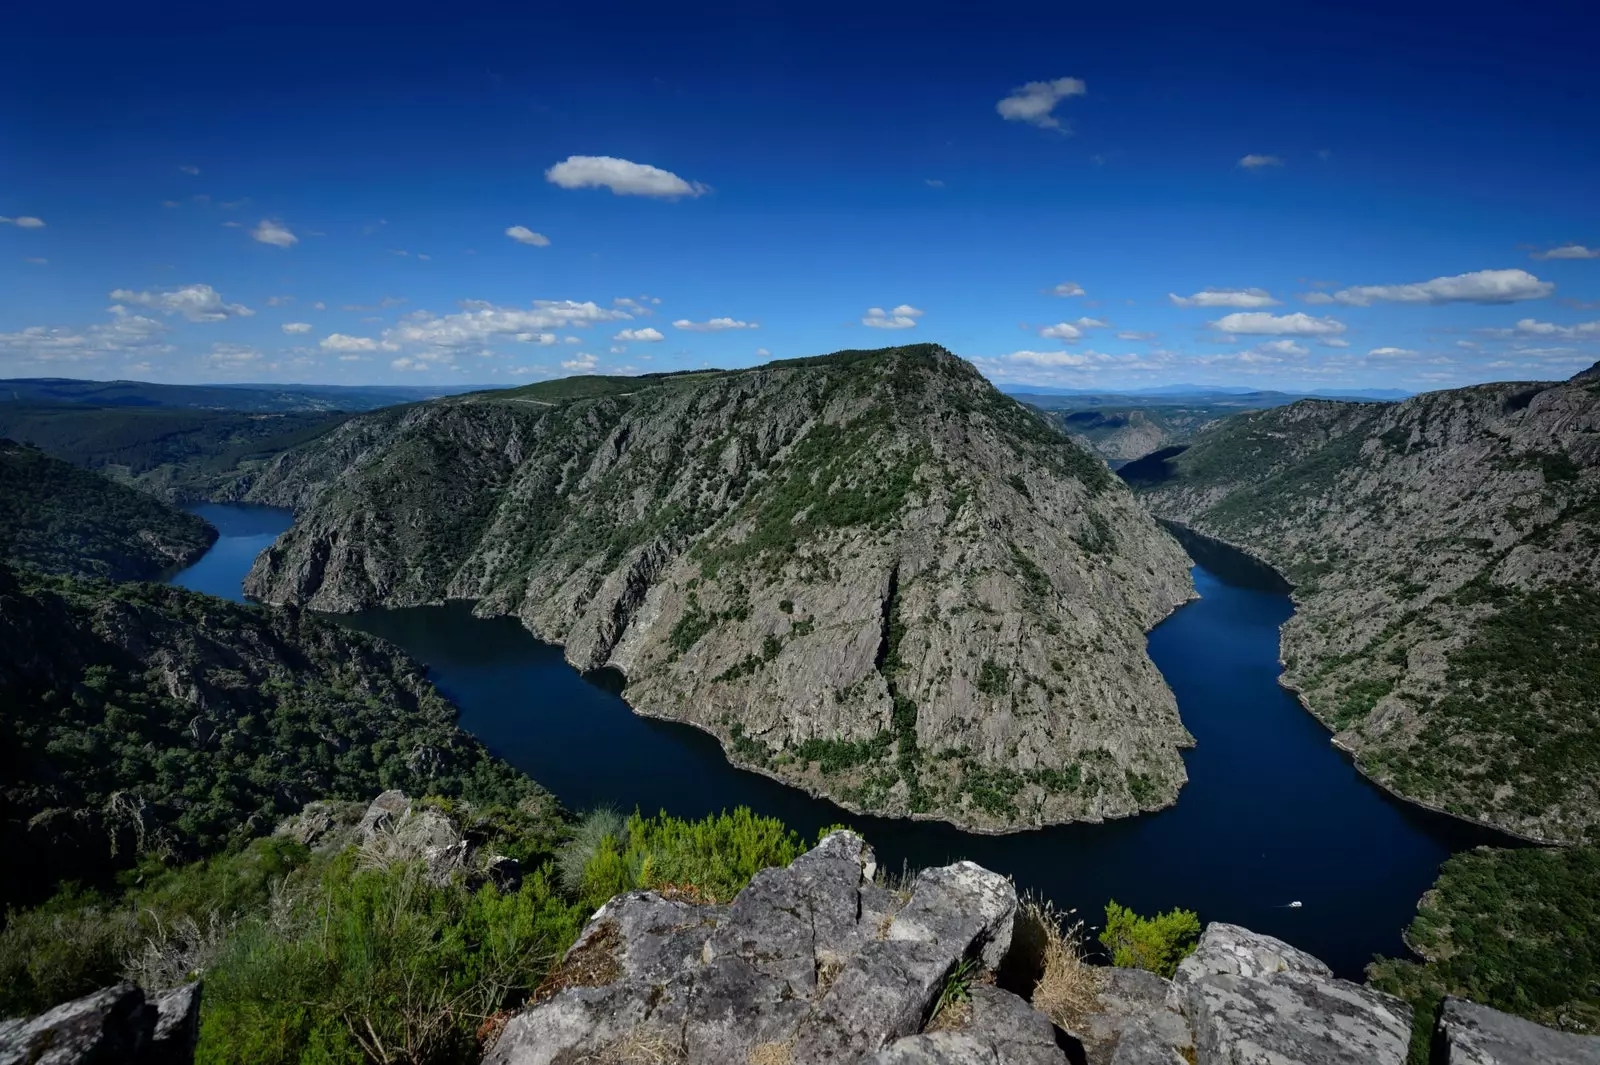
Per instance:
x=1156, y=943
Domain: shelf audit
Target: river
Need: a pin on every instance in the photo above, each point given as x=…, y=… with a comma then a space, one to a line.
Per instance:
x=1272, y=813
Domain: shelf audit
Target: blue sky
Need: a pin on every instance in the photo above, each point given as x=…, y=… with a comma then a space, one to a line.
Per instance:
x=1288, y=196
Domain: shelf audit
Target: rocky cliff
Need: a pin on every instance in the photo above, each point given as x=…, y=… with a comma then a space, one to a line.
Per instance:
x=1445, y=553
x=819, y=963
x=869, y=574
x=62, y=519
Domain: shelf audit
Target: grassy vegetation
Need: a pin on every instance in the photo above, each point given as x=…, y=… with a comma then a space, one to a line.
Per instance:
x=321, y=957
x=63, y=519
x=1518, y=930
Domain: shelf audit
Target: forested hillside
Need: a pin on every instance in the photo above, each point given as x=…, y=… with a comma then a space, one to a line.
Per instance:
x=62, y=519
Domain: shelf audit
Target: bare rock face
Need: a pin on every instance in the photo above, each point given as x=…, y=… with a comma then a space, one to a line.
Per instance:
x=1252, y=998
x=870, y=574
x=809, y=964
x=1471, y=1034
x=113, y=1026
x=1445, y=556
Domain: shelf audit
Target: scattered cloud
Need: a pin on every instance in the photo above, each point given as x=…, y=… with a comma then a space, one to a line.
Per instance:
x=1257, y=162
x=646, y=334
x=715, y=325
x=1260, y=323
x=232, y=356
x=524, y=235
x=197, y=303
x=192, y=171
x=1071, y=330
x=1130, y=334
x=479, y=323
x=581, y=361
x=902, y=317
x=279, y=301
x=622, y=177
x=933, y=183
x=1391, y=353
x=1529, y=327
x=1281, y=347
x=275, y=233
x=1067, y=288
x=125, y=334
x=1035, y=102
x=1226, y=297
x=1568, y=251
x=763, y=353
x=296, y=327
x=342, y=342
x=26, y=221
x=1481, y=286
x=36, y=260
x=319, y=306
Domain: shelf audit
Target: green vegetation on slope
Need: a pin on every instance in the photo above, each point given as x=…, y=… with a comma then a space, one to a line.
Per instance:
x=1518, y=930
x=61, y=519
x=336, y=955
x=145, y=718
x=1156, y=943
x=180, y=454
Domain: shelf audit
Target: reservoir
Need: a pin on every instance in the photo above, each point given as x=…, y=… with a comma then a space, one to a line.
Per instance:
x=1272, y=813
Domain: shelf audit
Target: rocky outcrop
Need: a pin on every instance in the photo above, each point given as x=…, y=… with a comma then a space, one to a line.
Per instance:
x=1470, y=1034
x=1445, y=553
x=113, y=1026
x=818, y=963
x=870, y=574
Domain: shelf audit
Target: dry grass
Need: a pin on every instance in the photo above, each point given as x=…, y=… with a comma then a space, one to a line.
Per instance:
x=771, y=1053
x=828, y=970
x=638, y=1048
x=593, y=963
x=1067, y=990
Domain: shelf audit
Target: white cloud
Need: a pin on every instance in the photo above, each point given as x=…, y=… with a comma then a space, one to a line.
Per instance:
x=763, y=353
x=1071, y=330
x=646, y=334
x=619, y=349
x=1130, y=334
x=1581, y=331
x=715, y=325
x=1333, y=342
x=404, y=362
x=1281, y=347
x=198, y=303
x=902, y=317
x=125, y=334
x=622, y=177
x=479, y=322
x=1260, y=323
x=192, y=171
x=319, y=306
x=1256, y=162
x=1049, y=358
x=1225, y=297
x=1036, y=101
x=232, y=355
x=1568, y=251
x=275, y=233
x=343, y=342
x=26, y=221
x=279, y=301
x=1390, y=353
x=933, y=183
x=1480, y=286
x=582, y=361
x=544, y=340
x=296, y=327
x=524, y=235
x=1067, y=288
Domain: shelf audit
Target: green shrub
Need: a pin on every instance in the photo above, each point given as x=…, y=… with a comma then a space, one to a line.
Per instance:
x=1156, y=943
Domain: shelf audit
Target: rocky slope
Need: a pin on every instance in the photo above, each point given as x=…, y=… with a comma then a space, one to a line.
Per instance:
x=1121, y=434
x=1445, y=553
x=869, y=574
x=61, y=519
x=141, y=719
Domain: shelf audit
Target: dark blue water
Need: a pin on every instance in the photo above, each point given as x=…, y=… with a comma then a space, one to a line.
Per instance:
x=1272, y=812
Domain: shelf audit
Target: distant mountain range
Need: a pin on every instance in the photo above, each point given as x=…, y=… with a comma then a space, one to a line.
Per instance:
x=1169, y=393
x=255, y=398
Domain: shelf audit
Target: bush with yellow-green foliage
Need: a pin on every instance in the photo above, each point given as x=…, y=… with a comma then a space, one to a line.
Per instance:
x=1156, y=943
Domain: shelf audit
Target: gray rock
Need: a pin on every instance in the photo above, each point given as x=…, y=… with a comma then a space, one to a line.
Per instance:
x=1138, y=1022
x=112, y=1026
x=1477, y=1035
x=808, y=964
x=383, y=814
x=1253, y=999
x=997, y=1028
